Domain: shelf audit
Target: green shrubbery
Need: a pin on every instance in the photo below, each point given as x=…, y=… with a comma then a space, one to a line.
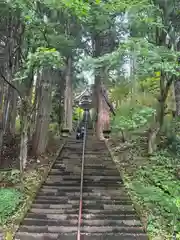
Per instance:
x=158, y=188
x=155, y=182
x=9, y=201
x=132, y=116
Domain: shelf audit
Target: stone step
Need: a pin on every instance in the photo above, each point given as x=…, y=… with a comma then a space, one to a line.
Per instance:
x=69, y=210
x=57, y=172
x=110, y=194
x=100, y=206
x=85, y=229
x=71, y=222
x=92, y=217
x=86, y=178
x=93, y=168
x=68, y=197
x=75, y=188
x=56, y=236
x=85, y=202
x=76, y=184
x=112, y=172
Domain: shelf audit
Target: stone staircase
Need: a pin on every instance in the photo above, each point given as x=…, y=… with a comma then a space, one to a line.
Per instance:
x=108, y=213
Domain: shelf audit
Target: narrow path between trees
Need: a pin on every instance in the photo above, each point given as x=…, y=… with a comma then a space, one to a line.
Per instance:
x=107, y=211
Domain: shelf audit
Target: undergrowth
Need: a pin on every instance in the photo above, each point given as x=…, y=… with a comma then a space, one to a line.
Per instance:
x=155, y=184
x=158, y=189
x=131, y=117
x=10, y=199
x=11, y=176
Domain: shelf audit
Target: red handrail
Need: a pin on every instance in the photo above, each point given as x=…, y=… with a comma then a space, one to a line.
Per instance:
x=81, y=186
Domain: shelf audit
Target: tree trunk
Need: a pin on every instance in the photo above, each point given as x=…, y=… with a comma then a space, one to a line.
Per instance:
x=152, y=138
x=60, y=95
x=103, y=111
x=6, y=108
x=35, y=105
x=99, y=130
x=103, y=43
x=177, y=96
x=24, y=119
x=1, y=116
x=160, y=112
x=13, y=113
x=68, y=96
x=40, y=137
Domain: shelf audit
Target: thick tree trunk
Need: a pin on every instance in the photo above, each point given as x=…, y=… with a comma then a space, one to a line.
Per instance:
x=103, y=43
x=68, y=96
x=40, y=137
x=102, y=109
x=60, y=96
x=99, y=109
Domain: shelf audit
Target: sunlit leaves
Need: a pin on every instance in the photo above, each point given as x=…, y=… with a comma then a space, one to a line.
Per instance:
x=129, y=118
x=119, y=91
x=42, y=58
x=150, y=58
x=45, y=57
x=79, y=7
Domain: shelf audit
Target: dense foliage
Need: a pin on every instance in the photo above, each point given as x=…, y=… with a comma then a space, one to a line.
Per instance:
x=10, y=200
x=48, y=52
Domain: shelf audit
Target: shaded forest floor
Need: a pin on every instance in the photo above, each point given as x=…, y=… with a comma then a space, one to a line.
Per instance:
x=11, y=149
x=17, y=193
x=10, y=152
x=153, y=184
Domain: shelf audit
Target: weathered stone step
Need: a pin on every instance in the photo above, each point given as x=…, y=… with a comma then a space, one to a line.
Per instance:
x=50, y=236
x=103, y=173
x=100, y=206
x=55, y=236
x=89, y=177
x=96, y=154
x=60, y=172
x=66, y=197
x=85, y=229
x=41, y=236
x=78, y=180
x=93, y=168
x=94, y=202
x=85, y=222
x=76, y=184
x=85, y=211
x=96, y=171
x=116, y=236
x=92, y=217
x=71, y=188
x=96, y=193
x=56, y=172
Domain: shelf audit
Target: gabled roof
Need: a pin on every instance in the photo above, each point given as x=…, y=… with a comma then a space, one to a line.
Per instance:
x=86, y=92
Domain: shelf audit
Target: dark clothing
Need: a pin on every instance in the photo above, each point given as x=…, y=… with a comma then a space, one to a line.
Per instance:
x=80, y=133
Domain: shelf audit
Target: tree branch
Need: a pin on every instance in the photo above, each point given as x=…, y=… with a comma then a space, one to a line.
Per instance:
x=11, y=85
